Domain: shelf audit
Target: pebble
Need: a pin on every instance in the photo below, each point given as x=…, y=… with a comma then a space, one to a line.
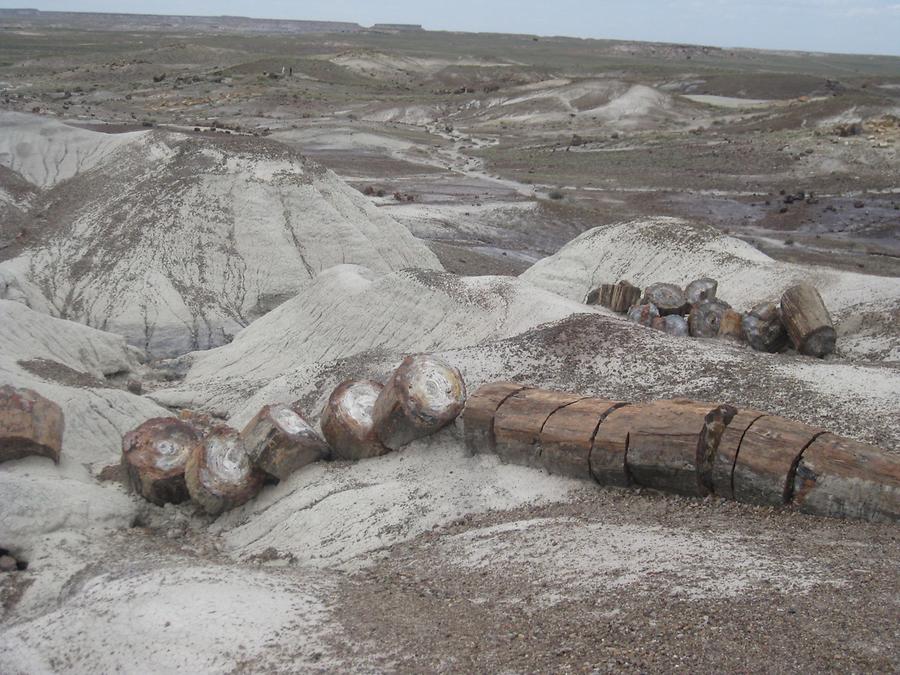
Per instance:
x=8, y=564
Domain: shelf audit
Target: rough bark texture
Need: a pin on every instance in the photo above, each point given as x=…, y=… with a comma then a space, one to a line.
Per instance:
x=478, y=415
x=643, y=314
x=622, y=296
x=610, y=448
x=841, y=477
x=154, y=457
x=763, y=329
x=423, y=396
x=602, y=295
x=731, y=327
x=519, y=420
x=727, y=453
x=701, y=289
x=29, y=425
x=280, y=440
x=568, y=436
x=807, y=321
x=347, y=421
x=668, y=299
x=220, y=474
x=705, y=318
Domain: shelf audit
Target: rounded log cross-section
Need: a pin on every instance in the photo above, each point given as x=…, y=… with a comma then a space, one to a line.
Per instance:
x=478, y=415
x=29, y=425
x=280, y=440
x=423, y=395
x=220, y=474
x=155, y=455
x=668, y=299
x=347, y=422
x=705, y=318
x=520, y=419
x=807, y=321
x=763, y=329
x=701, y=289
x=568, y=435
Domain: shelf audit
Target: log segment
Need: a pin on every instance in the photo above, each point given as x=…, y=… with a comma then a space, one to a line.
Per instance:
x=763, y=329
x=807, y=321
x=767, y=457
x=478, y=415
x=643, y=314
x=622, y=296
x=280, y=440
x=519, y=421
x=220, y=474
x=602, y=295
x=729, y=445
x=29, y=425
x=705, y=318
x=701, y=289
x=672, y=324
x=731, y=326
x=610, y=447
x=841, y=477
x=423, y=395
x=154, y=457
x=668, y=299
x=568, y=436
x=347, y=421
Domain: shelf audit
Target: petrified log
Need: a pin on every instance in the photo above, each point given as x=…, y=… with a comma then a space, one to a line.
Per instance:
x=668, y=299
x=602, y=295
x=672, y=445
x=347, y=420
x=478, y=415
x=280, y=441
x=643, y=314
x=423, y=395
x=841, y=477
x=220, y=474
x=763, y=329
x=29, y=425
x=767, y=458
x=727, y=453
x=622, y=296
x=568, y=436
x=519, y=420
x=807, y=321
x=706, y=317
x=672, y=324
x=610, y=446
x=154, y=457
x=701, y=289
x=731, y=326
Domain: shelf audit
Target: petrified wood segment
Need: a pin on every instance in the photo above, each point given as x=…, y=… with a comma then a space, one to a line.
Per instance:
x=643, y=314
x=29, y=425
x=608, y=452
x=519, y=420
x=768, y=454
x=841, y=477
x=706, y=317
x=602, y=295
x=478, y=415
x=280, y=440
x=347, y=420
x=807, y=321
x=763, y=329
x=622, y=296
x=731, y=326
x=154, y=456
x=219, y=473
x=727, y=452
x=568, y=435
x=423, y=395
x=668, y=299
x=701, y=289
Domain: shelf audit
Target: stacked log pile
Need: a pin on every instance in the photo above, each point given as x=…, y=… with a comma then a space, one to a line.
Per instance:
x=800, y=318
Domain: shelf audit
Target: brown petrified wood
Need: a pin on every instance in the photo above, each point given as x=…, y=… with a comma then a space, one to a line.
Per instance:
x=672, y=445
x=668, y=299
x=568, y=435
x=601, y=295
x=730, y=327
x=154, y=457
x=219, y=473
x=767, y=457
x=280, y=440
x=841, y=477
x=610, y=446
x=347, y=420
x=423, y=395
x=807, y=321
x=706, y=317
x=478, y=415
x=723, y=466
x=622, y=296
x=763, y=329
x=519, y=420
x=29, y=425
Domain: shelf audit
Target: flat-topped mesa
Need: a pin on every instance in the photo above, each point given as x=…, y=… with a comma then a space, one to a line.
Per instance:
x=29, y=425
x=280, y=440
x=220, y=474
x=763, y=329
x=422, y=396
x=154, y=456
x=668, y=299
x=347, y=421
x=807, y=321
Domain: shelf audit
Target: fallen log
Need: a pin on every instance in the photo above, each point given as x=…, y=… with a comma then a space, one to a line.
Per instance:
x=841, y=477
x=478, y=415
x=726, y=455
x=280, y=440
x=763, y=329
x=220, y=474
x=423, y=395
x=568, y=436
x=610, y=446
x=706, y=317
x=154, y=457
x=667, y=298
x=29, y=425
x=519, y=420
x=701, y=289
x=807, y=321
x=643, y=314
x=347, y=421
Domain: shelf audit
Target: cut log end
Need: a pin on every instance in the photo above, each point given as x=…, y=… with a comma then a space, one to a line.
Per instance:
x=154, y=456
x=347, y=422
x=807, y=321
x=763, y=329
x=706, y=318
x=220, y=474
x=280, y=440
x=700, y=290
x=29, y=425
x=668, y=299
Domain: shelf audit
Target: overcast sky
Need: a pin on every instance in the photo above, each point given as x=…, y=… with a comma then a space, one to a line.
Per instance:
x=860, y=26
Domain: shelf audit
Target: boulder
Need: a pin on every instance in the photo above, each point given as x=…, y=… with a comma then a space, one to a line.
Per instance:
x=29, y=425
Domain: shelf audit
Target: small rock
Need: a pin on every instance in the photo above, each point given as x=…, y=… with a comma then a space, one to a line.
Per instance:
x=8, y=564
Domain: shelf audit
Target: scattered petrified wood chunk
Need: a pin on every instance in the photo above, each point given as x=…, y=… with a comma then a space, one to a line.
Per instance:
x=423, y=395
x=600, y=295
x=622, y=296
x=701, y=289
x=347, y=420
x=478, y=415
x=568, y=435
x=668, y=299
x=841, y=477
x=763, y=329
x=723, y=466
x=29, y=425
x=220, y=474
x=767, y=457
x=280, y=441
x=672, y=324
x=731, y=326
x=519, y=420
x=807, y=321
x=706, y=317
x=154, y=457
x=643, y=314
